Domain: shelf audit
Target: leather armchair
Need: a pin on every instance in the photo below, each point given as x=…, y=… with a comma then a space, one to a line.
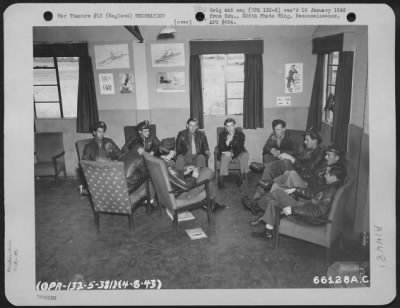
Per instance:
x=168, y=197
x=324, y=235
x=233, y=166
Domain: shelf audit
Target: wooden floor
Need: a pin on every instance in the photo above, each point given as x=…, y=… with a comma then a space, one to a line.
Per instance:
x=68, y=247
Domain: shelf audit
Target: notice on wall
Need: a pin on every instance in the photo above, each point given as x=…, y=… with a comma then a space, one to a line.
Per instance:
x=283, y=101
x=294, y=78
x=106, y=82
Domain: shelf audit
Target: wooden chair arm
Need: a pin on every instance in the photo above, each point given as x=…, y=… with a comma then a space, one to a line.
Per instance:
x=58, y=155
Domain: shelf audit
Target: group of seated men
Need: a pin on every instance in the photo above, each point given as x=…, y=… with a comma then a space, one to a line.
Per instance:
x=300, y=183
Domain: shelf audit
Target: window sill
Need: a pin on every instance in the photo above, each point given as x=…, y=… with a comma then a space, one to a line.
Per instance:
x=39, y=119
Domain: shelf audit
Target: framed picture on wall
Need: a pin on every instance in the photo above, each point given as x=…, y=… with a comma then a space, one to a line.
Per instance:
x=166, y=55
x=170, y=82
x=111, y=56
x=294, y=78
x=126, y=83
x=106, y=82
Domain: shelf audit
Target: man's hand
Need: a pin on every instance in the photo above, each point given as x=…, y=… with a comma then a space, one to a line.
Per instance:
x=287, y=210
x=151, y=153
x=208, y=153
x=227, y=153
x=286, y=156
x=275, y=152
x=195, y=173
x=189, y=169
x=290, y=191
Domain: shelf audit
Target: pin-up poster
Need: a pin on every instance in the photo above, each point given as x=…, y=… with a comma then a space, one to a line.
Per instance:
x=294, y=78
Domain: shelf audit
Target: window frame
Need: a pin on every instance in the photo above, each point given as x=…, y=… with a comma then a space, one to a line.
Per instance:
x=58, y=85
x=327, y=65
x=226, y=82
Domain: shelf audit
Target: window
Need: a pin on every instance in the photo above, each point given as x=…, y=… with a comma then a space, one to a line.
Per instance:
x=331, y=63
x=223, y=83
x=55, y=87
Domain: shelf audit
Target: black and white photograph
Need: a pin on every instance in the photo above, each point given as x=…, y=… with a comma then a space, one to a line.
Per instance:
x=245, y=168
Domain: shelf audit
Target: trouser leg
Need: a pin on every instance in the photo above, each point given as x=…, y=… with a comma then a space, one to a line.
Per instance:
x=200, y=161
x=225, y=160
x=244, y=162
x=268, y=158
x=279, y=200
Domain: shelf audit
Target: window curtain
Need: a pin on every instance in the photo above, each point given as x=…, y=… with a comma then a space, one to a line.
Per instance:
x=87, y=113
x=248, y=47
x=341, y=114
x=87, y=103
x=321, y=46
x=196, y=93
x=315, y=111
x=253, y=107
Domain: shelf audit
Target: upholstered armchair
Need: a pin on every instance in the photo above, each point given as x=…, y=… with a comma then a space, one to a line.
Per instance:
x=168, y=197
x=108, y=189
x=49, y=152
x=324, y=235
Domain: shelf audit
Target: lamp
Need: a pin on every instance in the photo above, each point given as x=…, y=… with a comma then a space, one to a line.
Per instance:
x=167, y=32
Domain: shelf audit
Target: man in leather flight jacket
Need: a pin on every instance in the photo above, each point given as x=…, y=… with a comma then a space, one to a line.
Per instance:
x=313, y=208
x=191, y=146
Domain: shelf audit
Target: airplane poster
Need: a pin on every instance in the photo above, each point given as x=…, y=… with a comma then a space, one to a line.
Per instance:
x=167, y=55
x=111, y=56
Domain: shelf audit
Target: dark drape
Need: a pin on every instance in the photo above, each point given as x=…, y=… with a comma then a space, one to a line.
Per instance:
x=315, y=110
x=253, y=109
x=196, y=93
x=87, y=103
x=327, y=44
x=341, y=112
x=218, y=47
x=60, y=50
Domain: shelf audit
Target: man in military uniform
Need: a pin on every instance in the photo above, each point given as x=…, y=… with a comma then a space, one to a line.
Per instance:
x=191, y=146
x=100, y=148
x=313, y=209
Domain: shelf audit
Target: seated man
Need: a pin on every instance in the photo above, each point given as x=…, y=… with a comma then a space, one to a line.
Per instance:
x=189, y=177
x=231, y=148
x=191, y=146
x=100, y=148
x=292, y=179
x=314, y=210
x=150, y=143
x=305, y=165
x=278, y=142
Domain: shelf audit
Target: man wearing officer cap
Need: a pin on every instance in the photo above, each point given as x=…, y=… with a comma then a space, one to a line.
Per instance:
x=150, y=143
x=100, y=148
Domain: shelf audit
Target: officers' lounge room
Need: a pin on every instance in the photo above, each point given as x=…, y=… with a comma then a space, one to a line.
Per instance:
x=189, y=157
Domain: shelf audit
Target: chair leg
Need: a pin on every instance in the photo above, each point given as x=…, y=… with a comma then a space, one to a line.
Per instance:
x=276, y=231
x=131, y=225
x=209, y=205
x=175, y=223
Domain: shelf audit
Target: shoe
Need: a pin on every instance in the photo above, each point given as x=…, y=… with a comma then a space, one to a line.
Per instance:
x=264, y=185
x=216, y=206
x=247, y=203
x=266, y=234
